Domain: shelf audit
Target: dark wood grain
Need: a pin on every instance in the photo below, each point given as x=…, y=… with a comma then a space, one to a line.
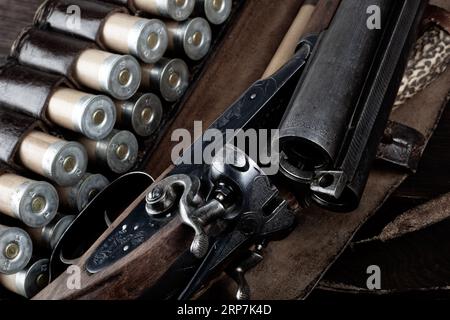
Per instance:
x=14, y=16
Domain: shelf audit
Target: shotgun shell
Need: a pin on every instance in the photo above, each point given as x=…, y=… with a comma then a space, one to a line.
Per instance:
x=16, y=249
x=168, y=77
x=118, y=151
x=79, y=196
x=193, y=37
x=29, y=281
x=116, y=75
x=178, y=10
x=47, y=237
x=142, y=38
x=60, y=161
x=35, y=203
x=92, y=115
x=142, y=114
x=216, y=11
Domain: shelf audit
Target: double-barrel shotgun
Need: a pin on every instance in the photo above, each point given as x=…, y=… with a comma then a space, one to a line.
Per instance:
x=329, y=103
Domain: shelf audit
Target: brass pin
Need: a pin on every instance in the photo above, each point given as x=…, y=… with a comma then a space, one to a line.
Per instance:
x=124, y=77
x=197, y=38
x=122, y=151
x=12, y=250
x=42, y=280
x=217, y=4
x=147, y=115
x=153, y=40
x=38, y=204
x=180, y=3
x=98, y=117
x=69, y=164
x=174, y=79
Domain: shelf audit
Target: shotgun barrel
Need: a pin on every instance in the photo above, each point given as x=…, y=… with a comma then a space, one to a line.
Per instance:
x=336, y=118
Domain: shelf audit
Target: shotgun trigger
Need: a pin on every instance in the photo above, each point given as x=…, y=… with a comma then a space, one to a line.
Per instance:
x=265, y=217
x=237, y=272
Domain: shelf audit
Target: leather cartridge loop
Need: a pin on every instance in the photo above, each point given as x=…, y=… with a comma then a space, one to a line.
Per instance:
x=13, y=129
x=126, y=3
x=26, y=90
x=61, y=15
x=50, y=51
x=4, y=168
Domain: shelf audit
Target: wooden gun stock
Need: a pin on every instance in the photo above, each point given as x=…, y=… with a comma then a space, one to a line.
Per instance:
x=141, y=269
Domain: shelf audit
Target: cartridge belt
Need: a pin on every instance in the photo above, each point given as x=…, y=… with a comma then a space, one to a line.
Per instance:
x=125, y=3
x=4, y=168
x=51, y=52
x=94, y=14
x=16, y=79
x=13, y=129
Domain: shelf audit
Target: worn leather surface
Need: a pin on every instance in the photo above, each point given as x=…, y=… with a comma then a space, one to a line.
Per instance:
x=49, y=51
x=411, y=252
x=14, y=16
x=13, y=128
x=27, y=90
x=4, y=168
x=93, y=16
x=127, y=3
x=298, y=263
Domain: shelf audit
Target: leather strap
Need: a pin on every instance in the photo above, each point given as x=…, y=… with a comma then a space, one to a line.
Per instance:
x=39, y=86
x=49, y=51
x=411, y=252
x=298, y=263
x=93, y=16
x=13, y=128
x=126, y=3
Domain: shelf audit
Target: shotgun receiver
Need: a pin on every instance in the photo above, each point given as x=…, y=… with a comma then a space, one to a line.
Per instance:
x=331, y=102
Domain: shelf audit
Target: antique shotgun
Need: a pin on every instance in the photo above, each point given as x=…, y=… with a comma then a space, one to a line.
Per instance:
x=331, y=102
